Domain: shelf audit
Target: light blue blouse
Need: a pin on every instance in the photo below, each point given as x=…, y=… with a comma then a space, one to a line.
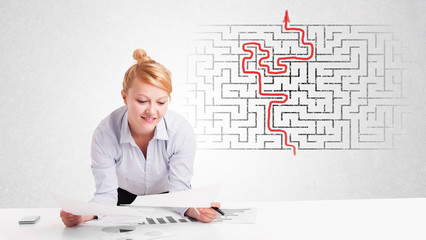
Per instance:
x=118, y=162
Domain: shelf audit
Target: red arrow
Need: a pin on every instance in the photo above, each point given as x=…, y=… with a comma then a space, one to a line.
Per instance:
x=286, y=18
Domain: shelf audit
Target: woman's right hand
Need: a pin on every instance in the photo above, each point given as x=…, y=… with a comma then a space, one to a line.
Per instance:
x=71, y=220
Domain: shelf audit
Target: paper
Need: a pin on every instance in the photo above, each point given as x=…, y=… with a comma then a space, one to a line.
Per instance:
x=237, y=215
x=167, y=216
x=90, y=208
x=94, y=230
x=198, y=197
x=232, y=216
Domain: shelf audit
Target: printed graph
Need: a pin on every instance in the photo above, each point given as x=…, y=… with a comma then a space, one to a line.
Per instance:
x=232, y=215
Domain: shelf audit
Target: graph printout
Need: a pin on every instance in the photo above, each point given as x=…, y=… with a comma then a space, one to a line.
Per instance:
x=232, y=216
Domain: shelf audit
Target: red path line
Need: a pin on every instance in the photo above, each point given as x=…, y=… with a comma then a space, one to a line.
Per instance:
x=284, y=66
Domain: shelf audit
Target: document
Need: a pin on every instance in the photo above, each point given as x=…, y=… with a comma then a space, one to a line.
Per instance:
x=167, y=216
x=97, y=229
x=198, y=197
x=237, y=215
x=232, y=216
x=90, y=208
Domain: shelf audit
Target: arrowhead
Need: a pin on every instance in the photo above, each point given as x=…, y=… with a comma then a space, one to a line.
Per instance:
x=286, y=18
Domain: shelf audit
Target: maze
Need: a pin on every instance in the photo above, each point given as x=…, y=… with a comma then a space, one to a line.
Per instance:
x=255, y=87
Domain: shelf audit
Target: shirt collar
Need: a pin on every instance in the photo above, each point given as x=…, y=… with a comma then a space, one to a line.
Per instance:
x=125, y=130
x=161, y=130
x=126, y=137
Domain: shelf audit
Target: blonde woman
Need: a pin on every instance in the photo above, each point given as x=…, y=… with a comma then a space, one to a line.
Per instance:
x=143, y=148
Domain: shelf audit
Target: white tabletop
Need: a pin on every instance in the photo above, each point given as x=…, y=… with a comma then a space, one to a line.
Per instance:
x=337, y=219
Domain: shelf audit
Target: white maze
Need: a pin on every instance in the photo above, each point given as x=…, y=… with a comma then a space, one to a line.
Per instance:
x=349, y=95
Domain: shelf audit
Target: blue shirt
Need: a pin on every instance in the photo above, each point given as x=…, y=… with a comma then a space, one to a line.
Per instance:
x=118, y=162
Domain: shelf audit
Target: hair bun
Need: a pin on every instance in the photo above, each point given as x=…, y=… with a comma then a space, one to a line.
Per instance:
x=140, y=56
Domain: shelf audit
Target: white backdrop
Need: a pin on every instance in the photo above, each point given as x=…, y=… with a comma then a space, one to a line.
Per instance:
x=61, y=68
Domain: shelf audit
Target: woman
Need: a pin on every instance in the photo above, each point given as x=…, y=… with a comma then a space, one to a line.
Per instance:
x=143, y=148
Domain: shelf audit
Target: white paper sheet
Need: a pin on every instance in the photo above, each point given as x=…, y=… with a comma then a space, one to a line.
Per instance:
x=237, y=215
x=167, y=216
x=90, y=208
x=94, y=230
x=198, y=197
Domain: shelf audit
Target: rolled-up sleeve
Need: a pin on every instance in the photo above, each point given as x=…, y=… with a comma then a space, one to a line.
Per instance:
x=103, y=151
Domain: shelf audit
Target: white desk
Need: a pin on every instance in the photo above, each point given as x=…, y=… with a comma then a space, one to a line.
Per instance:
x=342, y=219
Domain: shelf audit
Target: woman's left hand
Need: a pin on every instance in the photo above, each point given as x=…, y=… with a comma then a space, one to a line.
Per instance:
x=206, y=214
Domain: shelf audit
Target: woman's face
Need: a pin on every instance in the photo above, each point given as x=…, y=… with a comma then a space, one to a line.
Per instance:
x=146, y=105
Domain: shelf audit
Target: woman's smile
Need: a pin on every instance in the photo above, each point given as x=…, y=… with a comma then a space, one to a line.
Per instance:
x=149, y=119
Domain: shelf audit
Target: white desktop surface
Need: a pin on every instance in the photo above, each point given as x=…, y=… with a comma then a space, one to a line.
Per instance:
x=336, y=219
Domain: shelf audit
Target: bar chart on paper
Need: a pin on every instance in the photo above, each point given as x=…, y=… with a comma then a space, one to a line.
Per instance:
x=148, y=227
x=240, y=215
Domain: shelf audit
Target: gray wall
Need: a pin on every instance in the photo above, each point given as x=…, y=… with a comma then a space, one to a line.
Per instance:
x=61, y=67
